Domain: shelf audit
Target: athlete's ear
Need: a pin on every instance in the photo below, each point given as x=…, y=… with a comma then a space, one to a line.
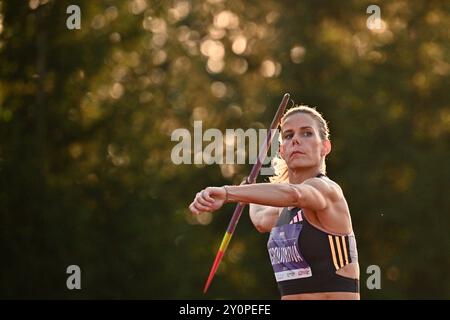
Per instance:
x=326, y=148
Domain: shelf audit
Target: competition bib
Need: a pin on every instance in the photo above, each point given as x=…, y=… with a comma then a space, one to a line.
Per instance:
x=285, y=256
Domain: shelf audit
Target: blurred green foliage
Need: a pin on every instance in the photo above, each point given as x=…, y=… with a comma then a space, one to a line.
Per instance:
x=86, y=118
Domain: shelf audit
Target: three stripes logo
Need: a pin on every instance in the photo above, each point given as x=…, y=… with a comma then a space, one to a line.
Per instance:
x=340, y=247
x=297, y=218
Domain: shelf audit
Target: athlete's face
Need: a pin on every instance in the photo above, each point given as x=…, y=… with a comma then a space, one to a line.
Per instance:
x=301, y=145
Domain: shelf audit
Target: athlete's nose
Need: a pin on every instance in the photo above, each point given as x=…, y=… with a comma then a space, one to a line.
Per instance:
x=295, y=139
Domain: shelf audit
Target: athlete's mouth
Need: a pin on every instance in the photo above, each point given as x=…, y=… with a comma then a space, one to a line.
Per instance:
x=297, y=152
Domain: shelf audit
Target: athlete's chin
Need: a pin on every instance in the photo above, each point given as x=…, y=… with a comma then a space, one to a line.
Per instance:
x=299, y=164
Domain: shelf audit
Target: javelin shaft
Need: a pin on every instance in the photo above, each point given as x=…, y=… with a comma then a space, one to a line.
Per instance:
x=251, y=179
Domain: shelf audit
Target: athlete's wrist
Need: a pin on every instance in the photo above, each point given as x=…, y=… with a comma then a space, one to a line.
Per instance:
x=226, y=193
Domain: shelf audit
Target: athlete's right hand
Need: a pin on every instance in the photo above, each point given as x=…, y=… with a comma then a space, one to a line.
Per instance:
x=208, y=200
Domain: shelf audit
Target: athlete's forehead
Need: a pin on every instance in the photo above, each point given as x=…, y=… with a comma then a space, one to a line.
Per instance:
x=298, y=121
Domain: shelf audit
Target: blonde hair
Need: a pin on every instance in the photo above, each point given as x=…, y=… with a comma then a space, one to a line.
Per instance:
x=279, y=165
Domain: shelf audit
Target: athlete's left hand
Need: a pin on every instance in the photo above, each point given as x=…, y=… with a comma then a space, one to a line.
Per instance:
x=208, y=200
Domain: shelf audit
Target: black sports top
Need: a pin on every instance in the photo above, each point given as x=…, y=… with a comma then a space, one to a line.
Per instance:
x=305, y=259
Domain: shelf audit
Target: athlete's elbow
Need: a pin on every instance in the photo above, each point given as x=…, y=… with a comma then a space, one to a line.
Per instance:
x=308, y=197
x=261, y=228
x=257, y=222
x=296, y=197
x=262, y=224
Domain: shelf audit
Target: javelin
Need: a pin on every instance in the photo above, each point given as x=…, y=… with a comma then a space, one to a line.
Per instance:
x=250, y=179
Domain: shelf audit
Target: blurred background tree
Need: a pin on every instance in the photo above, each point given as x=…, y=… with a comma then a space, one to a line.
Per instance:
x=86, y=118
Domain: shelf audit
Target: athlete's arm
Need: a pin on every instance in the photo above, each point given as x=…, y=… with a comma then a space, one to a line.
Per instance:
x=263, y=218
x=314, y=194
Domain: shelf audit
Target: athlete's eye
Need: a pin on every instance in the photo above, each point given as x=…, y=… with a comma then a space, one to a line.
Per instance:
x=288, y=136
x=307, y=134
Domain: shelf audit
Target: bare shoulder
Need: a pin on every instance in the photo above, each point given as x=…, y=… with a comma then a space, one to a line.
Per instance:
x=335, y=217
x=327, y=187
